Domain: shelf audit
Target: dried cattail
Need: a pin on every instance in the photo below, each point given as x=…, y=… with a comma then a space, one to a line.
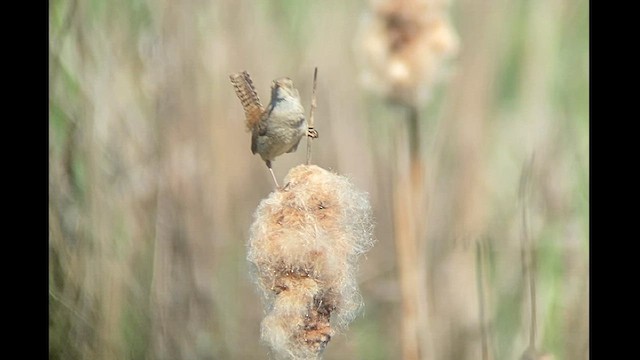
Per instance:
x=304, y=244
x=402, y=45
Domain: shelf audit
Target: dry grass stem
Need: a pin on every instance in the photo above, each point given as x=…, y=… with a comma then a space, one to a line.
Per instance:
x=480, y=273
x=304, y=244
x=528, y=258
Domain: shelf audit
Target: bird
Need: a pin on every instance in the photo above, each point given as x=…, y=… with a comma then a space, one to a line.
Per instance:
x=278, y=128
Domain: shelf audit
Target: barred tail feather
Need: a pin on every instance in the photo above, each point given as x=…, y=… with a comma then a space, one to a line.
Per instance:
x=246, y=92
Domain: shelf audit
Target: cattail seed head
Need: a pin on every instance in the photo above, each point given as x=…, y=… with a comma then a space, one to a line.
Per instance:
x=402, y=45
x=304, y=245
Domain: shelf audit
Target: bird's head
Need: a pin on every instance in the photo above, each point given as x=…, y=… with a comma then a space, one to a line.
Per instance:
x=283, y=88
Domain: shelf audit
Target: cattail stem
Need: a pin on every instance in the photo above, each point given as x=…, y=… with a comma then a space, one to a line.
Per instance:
x=406, y=258
x=414, y=135
x=409, y=223
x=311, y=112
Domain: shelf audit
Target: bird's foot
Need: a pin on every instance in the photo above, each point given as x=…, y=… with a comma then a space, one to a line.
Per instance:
x=312, y=133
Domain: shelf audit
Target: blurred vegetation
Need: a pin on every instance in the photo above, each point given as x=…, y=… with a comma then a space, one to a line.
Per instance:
x=152, y=184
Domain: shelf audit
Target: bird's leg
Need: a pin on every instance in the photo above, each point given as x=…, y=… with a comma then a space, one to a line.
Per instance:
x=268, y=162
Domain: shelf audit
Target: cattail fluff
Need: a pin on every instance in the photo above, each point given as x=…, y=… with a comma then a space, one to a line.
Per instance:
x=402, y=46
x=303, y=248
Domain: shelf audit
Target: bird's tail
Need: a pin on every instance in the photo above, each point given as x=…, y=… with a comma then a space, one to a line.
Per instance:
x=248, y=96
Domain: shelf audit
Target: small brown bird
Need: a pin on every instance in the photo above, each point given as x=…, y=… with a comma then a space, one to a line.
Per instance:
x=278, y=128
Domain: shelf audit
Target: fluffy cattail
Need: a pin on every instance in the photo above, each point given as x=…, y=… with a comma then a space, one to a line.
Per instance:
x=402, y=45
x=304, y=245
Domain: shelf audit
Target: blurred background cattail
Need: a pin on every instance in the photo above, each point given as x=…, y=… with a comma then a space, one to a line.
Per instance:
x=403, y=46
x=152, y=184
